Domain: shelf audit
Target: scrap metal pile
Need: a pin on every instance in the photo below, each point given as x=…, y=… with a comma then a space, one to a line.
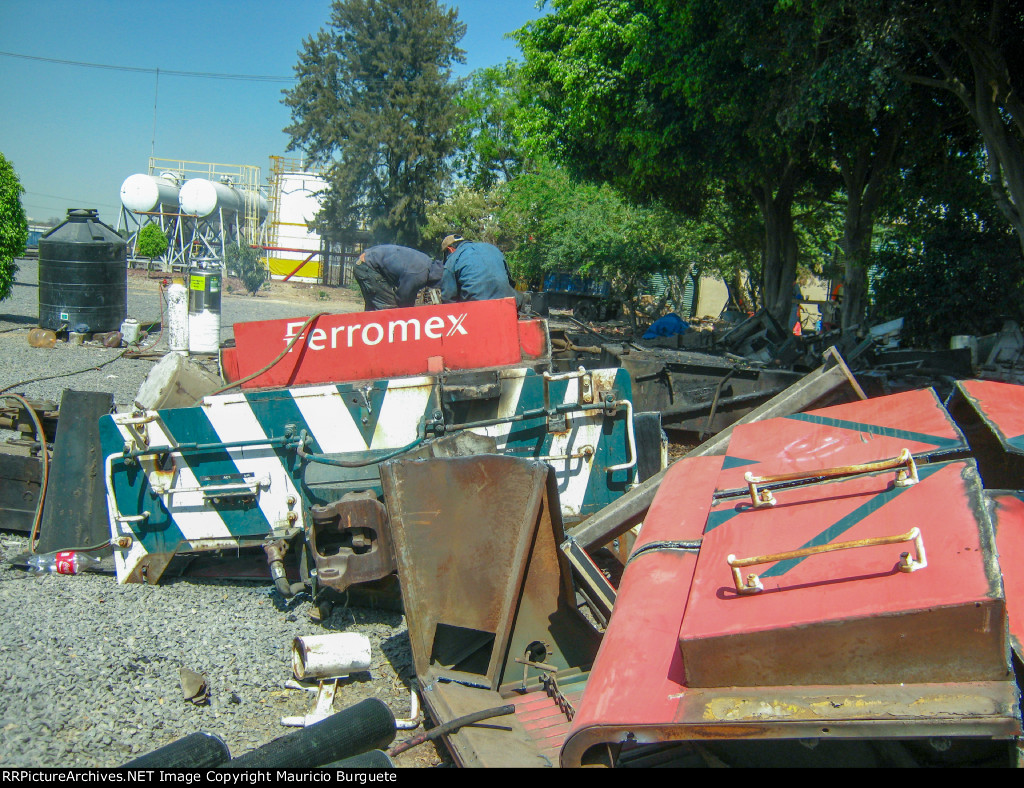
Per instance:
x=827, y=579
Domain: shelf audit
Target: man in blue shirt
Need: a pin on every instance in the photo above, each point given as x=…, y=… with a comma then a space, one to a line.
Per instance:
x=473, y=271
x=391, y=276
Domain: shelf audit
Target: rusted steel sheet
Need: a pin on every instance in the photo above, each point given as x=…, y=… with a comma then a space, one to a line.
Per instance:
x=991, y=415
x=483, y=581
x=802, y=680
x=75, y=504
x=530, y=738
x=1008, y=520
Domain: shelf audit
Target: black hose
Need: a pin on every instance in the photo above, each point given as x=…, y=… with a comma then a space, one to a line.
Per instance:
x=369, y=725
x=195, y=751
x=374, y=759
x=452, y=725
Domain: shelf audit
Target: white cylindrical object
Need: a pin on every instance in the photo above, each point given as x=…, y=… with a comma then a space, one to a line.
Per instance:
x=204, y=331
x=202, y=197
x=968, y=341
x=177, y=317
x=146, y=193
x=255, y=202
x=130, y=330
x=329, y=656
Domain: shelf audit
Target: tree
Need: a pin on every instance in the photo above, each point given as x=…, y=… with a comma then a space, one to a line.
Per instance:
x=246, y=261
x=949, y=261
x=669, y=99
x=13, y=225
x=972, y=50
x=375, y=105
x=489, y=150
x=151, y=242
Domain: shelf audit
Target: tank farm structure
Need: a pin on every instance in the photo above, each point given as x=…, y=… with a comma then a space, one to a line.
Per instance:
x=204, y=207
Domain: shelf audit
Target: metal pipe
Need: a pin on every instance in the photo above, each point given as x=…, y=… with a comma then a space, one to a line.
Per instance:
x=630, y=436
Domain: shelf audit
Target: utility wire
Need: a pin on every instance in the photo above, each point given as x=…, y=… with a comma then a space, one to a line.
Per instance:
x=138, y=70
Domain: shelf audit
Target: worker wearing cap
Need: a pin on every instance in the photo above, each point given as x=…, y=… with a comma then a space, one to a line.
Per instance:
x=473, y=271
x=391, y=276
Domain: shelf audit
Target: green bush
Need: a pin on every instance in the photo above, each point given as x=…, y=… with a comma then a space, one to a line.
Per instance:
x=151, y=242
x=13, y=225
x=251, y=269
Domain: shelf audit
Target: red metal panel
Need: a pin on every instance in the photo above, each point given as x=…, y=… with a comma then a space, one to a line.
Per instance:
x=385, y=344
x=1009, y=524
x=849, y=616
x=638, y=673
x=854, y=433
x=1002, y=405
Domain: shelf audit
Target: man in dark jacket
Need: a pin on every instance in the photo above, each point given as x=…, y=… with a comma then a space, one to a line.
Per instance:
x=473, y=272
x=391, y=276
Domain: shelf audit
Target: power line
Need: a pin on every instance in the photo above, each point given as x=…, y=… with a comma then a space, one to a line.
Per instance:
x=138, y=70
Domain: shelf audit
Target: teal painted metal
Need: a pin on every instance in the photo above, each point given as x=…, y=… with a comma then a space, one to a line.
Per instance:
x=169, y=501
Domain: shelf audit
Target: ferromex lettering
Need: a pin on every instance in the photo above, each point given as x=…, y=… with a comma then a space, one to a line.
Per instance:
x=370, y=334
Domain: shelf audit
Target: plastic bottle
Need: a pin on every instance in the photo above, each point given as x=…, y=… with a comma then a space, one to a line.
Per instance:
x=65, y=562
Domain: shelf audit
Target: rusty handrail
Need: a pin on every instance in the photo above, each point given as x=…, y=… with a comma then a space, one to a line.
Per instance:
x=752, y=583
x=904, y=465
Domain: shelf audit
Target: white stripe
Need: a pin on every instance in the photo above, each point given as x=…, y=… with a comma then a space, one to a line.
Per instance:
x=328, y=418
x=573, y=475
x=508, y=401
x=403, y=407
x=194, y=518
x=235, y=422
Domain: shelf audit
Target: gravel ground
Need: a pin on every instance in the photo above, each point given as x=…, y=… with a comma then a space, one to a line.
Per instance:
x=91, y=669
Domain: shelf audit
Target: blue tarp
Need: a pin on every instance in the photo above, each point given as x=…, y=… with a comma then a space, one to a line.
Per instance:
x=667, y=326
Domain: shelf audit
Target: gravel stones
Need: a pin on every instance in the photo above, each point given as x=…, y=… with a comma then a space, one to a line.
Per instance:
x=91, y=669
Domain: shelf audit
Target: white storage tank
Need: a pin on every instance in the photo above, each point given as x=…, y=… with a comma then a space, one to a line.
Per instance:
x=254, y=201
x=147, y=193
x=203, y=198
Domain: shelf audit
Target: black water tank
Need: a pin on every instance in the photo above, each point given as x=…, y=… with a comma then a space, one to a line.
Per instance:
x=83, y=275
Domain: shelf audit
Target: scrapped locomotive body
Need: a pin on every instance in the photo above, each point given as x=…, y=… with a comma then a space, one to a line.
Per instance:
x=243, y=469
x=828, y=592
x=839, y=581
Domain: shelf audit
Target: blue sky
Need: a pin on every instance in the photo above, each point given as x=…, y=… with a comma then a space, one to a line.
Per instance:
x=75, y=133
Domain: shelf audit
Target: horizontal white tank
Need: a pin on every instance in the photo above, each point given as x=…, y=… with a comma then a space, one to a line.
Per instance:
x=255, y=201
x=144, y=193
x=202, y=198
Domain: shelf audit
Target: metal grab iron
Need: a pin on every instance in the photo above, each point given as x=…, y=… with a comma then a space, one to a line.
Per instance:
x=752, y=583
x=904, y=465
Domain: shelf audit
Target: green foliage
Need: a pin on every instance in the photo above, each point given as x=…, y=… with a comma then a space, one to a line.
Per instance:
x=151, y=242
x=13, y=225
x=470, y=212
x=251, y=269
x=375, y=105
x=683, y=102
x=554, y=223
x=489, y=150
x=949, y=262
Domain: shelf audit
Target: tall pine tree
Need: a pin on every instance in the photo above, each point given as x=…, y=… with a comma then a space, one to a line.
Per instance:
x=375, y=105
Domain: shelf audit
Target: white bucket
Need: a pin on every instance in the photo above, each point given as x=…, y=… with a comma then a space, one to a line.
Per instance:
x=204, y=332
x=968, y=341
x=329, y=656
x=130, y=330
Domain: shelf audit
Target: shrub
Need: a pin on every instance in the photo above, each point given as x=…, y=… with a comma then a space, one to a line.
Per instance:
x=251, y=269
x=151, y=242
